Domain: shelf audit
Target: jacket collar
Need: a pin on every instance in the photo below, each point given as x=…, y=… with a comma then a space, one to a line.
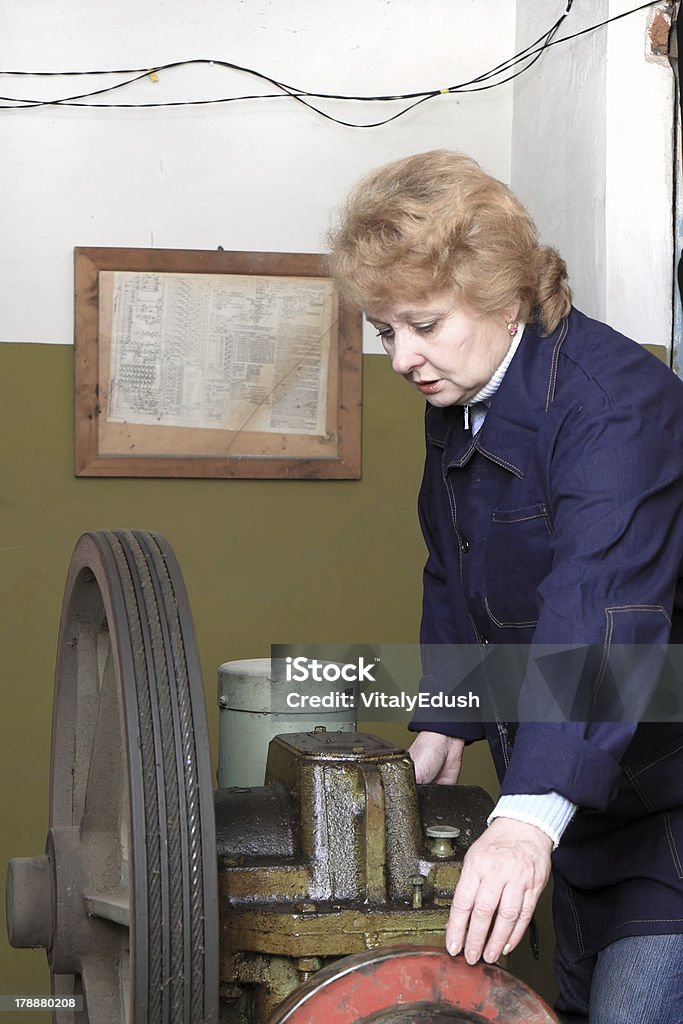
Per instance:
x=508, y=434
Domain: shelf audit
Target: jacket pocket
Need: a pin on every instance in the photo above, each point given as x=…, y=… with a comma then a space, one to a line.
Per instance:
x=518, y=558
x=656, y=778
x=657, y=783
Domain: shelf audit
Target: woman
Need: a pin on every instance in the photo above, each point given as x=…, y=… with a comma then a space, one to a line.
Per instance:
x=552, y=509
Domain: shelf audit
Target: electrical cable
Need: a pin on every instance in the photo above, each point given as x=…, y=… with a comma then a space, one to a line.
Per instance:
x=487, y=80
x=287, y=90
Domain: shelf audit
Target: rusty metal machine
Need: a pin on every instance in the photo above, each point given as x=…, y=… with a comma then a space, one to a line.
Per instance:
x=320, y=897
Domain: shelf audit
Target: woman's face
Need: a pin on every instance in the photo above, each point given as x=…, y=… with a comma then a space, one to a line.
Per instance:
x=446, y=353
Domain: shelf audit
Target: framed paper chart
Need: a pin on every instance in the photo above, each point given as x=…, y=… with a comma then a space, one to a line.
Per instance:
x=192, y=363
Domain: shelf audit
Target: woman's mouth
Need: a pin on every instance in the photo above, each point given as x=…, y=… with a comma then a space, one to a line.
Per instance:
x=427, y=387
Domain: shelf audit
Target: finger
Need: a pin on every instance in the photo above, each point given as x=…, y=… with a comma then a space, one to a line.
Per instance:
x=525, y=916
x=506, y=923
x=428, y=753
x=472, y=913
x=481, y=920
x=448, y=776
x=427, y=768
x=450, y=770
x=460, y=912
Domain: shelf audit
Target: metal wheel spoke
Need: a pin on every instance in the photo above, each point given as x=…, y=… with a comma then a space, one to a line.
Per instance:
x=105, y=775
x=110, y=906
x=87, y=702
x=105, y=996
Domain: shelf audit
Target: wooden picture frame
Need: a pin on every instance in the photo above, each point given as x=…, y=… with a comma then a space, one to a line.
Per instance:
x=193, y=363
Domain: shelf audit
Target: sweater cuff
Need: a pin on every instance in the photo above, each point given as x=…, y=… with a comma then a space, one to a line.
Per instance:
x=548, y=811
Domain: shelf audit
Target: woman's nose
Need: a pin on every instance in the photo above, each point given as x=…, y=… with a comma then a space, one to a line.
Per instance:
x=405, y=355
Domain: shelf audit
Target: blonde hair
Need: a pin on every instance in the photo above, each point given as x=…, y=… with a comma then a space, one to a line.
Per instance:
x=437, y=221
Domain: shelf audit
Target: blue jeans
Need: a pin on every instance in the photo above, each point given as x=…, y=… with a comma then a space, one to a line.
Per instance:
x=635, y=980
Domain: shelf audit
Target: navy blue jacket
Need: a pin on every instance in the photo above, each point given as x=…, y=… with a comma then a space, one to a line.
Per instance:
x=561, y=523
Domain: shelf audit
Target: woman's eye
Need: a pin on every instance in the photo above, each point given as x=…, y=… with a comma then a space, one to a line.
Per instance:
x=387, y=333
x=426, y=328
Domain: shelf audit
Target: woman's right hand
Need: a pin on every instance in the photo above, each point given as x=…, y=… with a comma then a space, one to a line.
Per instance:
x=437, y=758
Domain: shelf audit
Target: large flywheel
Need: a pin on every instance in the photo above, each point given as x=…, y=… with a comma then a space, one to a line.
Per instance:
x=125, y=898
x=412, y=985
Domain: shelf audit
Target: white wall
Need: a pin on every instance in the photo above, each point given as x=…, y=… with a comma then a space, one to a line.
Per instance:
x=558, y=142
x=262, y=175
x=592, y=159
x=639, y=175
x=589, y=149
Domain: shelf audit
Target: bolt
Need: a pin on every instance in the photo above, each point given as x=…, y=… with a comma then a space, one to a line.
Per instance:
x=222, y=702
x=308, y=965
x=417, y=884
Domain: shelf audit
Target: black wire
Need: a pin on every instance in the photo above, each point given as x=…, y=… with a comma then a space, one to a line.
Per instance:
x=250, y=71
x=139, y=74
x=67, y=100
x=526, y=52
x=607, y=21
x=533, y=52
x=287, y=91
x=428, y=96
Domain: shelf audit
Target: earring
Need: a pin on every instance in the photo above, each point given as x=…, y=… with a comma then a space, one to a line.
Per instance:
x=512, y=328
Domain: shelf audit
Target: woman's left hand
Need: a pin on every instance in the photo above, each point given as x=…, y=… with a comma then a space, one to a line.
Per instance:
x=503, y=875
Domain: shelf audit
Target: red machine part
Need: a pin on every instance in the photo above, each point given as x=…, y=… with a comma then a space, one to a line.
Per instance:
x=412, y=985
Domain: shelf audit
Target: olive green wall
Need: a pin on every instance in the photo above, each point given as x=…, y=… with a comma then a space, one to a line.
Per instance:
x=264, y=562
